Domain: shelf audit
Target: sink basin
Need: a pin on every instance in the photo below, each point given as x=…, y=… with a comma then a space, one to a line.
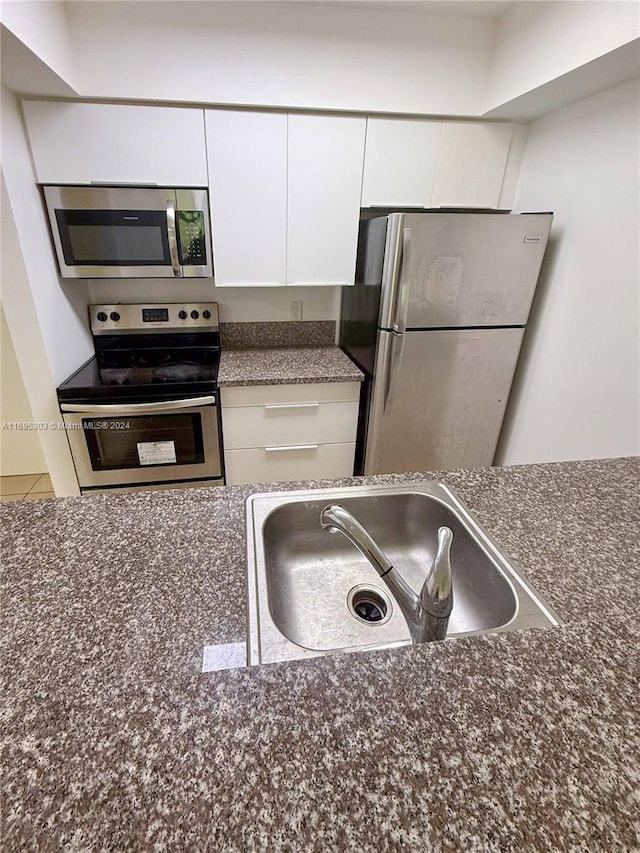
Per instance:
x=312, y=593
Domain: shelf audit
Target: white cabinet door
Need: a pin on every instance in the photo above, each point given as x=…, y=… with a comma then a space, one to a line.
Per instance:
x=247, y=155
x=326, y=157
x=289, y=424
x=400, y=162
x=471, y=163
x=281, y=464
x=306, y=392
x=110, y=143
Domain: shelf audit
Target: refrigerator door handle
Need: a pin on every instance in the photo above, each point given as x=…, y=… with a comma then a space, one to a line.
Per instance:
x=392, y=270
x=396, y=351
x=399, y=324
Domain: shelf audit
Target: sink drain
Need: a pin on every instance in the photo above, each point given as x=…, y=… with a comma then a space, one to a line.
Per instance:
x=369, y=604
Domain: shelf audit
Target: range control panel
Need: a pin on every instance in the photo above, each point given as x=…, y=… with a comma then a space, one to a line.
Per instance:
x=173, y=316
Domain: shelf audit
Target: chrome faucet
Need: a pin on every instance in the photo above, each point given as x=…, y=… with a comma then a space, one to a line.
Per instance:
x=427, y=614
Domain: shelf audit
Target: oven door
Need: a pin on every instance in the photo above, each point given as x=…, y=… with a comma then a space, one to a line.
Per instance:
x=144, y=443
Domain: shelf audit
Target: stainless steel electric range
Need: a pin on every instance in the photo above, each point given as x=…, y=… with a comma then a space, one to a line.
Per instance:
x=143, y=412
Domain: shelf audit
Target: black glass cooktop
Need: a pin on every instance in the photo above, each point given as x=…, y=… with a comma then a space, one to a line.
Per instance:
x=159, y=376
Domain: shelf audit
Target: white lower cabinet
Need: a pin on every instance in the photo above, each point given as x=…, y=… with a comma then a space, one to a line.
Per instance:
x=274, y=433
x=276, y=465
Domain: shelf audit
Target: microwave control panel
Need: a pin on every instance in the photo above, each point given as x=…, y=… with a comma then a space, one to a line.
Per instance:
x=191, y=238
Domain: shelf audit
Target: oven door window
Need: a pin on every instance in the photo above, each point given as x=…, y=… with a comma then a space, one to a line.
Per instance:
x=142, y=441
x=114, y=237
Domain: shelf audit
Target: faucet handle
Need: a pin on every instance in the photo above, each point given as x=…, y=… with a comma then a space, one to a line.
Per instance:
x=437, y=590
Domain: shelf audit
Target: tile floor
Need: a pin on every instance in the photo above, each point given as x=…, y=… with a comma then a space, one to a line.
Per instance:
x=29, y=487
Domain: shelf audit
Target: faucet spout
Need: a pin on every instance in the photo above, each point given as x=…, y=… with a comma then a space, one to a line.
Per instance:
x=427, y=614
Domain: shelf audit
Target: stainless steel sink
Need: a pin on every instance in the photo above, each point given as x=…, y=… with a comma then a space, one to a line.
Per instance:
x=308, y=590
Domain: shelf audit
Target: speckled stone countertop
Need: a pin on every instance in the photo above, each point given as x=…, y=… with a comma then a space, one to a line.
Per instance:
x=291, y=333
x=286, y=366
x=114, y=740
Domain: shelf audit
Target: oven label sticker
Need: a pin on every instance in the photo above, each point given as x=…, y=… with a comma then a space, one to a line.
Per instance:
x=156, y=452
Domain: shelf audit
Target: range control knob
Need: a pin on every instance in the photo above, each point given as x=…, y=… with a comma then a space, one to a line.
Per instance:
x=206, y=314
x=195, y=315
x=114, y=316
x=182, y=314
x=101, y=316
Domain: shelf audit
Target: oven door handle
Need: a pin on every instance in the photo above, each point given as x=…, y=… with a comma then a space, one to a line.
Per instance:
x=136, y=408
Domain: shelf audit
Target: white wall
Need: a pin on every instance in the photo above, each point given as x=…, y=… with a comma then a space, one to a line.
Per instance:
x=340, y=57
x=322, y=55
x=577, y=391
x=47, y=317
x=538, y=42
x=308, y=55
x=236, y=304
x=43, y=27
x=61, y=306
x=20, y=450
x=22, y=319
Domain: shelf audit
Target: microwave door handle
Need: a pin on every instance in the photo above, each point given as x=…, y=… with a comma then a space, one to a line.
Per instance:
x=173, y=240
x=136, y=408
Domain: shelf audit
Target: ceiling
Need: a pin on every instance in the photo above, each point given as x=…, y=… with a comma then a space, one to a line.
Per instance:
x=470, y=8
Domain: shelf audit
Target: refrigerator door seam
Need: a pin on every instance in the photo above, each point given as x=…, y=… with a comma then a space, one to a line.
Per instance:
x=459, y=328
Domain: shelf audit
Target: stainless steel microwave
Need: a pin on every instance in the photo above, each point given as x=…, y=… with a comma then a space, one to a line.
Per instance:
x=130, y=232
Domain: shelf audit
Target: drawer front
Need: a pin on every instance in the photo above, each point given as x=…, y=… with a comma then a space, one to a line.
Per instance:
x=278, y=465
x=314, y=392
x=289, y=423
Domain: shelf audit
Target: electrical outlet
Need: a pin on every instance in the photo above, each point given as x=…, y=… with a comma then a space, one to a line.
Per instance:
x=295, y=309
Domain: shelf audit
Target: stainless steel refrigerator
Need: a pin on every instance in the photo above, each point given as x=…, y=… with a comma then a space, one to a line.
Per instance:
x=436, y=320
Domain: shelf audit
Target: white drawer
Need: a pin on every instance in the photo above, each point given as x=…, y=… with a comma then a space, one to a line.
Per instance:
x=260, y=465
x=314, y=392
x=289, y=423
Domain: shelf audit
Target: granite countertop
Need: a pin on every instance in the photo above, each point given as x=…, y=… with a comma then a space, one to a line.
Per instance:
x=114, y=740
x=286, y=366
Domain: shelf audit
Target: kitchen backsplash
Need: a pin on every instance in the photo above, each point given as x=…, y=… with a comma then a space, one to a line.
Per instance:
x=236, y=304
x=305, y=333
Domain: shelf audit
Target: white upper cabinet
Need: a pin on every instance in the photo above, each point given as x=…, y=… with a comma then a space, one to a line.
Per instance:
x=422, y=163
x=108, y=143
x=285, y=197
x=471, y=163
x=247, y=154
x=325, y=163
x=400, y=162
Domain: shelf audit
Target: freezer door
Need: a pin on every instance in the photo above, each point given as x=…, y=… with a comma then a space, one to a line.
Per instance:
x=469, y=269
x=439, y=398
